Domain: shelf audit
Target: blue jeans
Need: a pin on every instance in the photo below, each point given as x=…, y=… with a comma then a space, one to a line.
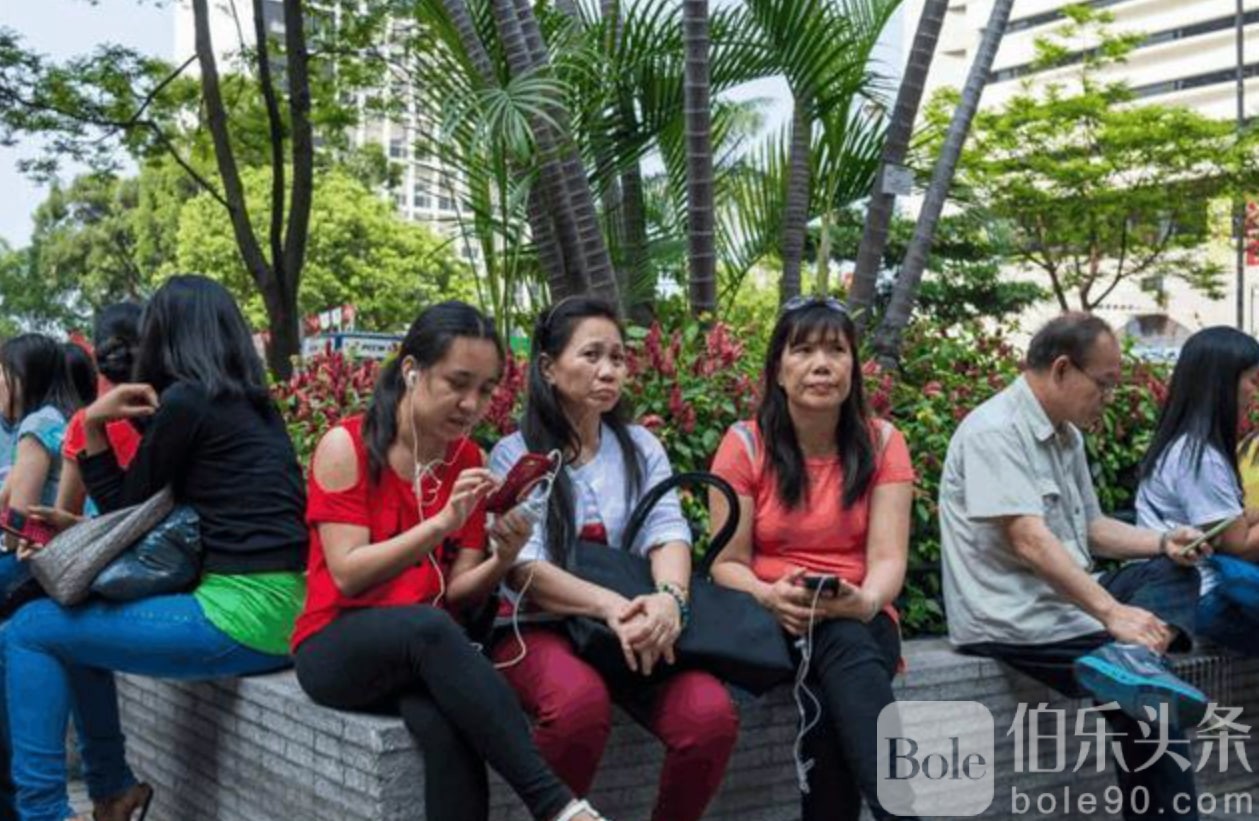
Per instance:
x=58, y=659
x=1228, y=614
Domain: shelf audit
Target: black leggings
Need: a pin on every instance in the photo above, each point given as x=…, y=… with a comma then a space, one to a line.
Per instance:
x=417, y=662
x=851, y=675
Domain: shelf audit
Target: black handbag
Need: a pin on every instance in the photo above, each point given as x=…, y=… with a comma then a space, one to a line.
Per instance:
x=167, y=559
x=730, y=634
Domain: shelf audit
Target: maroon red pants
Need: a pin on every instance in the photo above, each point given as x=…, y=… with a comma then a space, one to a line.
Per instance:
x=570, y=703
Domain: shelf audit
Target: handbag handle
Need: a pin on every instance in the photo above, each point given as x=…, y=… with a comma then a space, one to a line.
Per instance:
x=653, y=496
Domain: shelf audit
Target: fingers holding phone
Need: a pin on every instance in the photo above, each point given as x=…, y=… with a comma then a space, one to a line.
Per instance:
x=470, y=489
x=1187, y=545
x=25, y=533
x=524, y=476
x=509, y=533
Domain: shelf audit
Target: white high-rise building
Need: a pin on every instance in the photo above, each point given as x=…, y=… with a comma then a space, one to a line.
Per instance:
x=1189, y=58
x=425, y=191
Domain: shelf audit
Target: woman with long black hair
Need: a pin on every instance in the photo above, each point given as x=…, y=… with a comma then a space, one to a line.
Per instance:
x=115, y=336
x=1189, y=476
x=824, y=493
x=38, y=397
x=575, y=405
x=213, y=434
x=398, y=533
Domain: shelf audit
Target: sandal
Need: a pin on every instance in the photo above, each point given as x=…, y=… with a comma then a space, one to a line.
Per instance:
x=123, y=807
x=576, y=807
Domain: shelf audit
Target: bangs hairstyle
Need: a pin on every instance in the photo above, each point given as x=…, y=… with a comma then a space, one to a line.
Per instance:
x=193, y=331
x=782, y=454
x=37, y=372
x=545, y=427
x=1202, y=400
x=428, y=340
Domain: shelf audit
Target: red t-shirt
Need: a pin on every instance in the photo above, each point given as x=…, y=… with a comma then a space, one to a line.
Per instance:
x=386, y=510
x=820, y=535
x=124, y=439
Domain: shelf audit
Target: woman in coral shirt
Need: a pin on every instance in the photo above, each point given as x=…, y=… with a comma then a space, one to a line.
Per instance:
x=824, y=491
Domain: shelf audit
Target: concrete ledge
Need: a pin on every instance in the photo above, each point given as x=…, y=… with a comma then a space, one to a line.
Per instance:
x=258, y=750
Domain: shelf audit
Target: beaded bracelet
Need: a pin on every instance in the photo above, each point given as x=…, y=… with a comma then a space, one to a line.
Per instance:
x=684, y=607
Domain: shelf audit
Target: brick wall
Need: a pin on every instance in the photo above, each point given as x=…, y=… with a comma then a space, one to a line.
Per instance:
x=258, y=750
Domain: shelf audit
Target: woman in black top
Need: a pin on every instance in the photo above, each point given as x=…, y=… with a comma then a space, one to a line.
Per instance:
x=212, y=433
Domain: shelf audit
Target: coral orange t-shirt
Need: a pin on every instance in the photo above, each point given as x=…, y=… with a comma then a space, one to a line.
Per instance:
x=820, y=536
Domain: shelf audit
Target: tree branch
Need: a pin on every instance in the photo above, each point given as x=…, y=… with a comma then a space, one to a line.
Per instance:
x=185, y=165
x=276, y=129
x=216, y=121
x=303, y=148
x=134, y=119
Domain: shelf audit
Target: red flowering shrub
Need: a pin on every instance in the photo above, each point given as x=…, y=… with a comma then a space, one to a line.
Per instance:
x=326, y=388
x=688, y=386
x=500, y=419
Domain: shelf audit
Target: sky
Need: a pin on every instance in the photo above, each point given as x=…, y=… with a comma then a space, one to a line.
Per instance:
x=64, y=28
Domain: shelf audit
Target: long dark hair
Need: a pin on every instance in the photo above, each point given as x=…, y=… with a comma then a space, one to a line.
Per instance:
x=36, y=370
x=1202, y=400
x=782, y=454
x=192, y=331
x=82, y=372
x=545, y=427
x=427, y=342
x=115, y=335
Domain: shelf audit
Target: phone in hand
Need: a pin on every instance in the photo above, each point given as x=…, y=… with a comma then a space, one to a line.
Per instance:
x=527, y=472
x=32, y=530
x=826, y=583
x=1216, y=529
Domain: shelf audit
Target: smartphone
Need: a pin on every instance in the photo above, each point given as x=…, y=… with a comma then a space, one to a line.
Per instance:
x=1215, y=530
x=17, y=523
x=824, y=583
x=526, y=473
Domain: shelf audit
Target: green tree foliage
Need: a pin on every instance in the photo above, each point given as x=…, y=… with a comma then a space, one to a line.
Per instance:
x=1095, y=188
x=966, y=282
x=359, y=252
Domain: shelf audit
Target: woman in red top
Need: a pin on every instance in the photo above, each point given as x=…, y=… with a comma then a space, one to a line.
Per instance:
x=115, y=335
x=823, y=490
x=392, y=496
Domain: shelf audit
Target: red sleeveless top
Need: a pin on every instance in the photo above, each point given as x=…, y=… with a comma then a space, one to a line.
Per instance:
x=385, y=509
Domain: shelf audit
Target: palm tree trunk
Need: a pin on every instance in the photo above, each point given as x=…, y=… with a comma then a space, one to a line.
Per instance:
x=700, y=235
x=571, y=277
x=545, y=239
x=796, y=212
x=887, y=340
x=459, y=14
x=895, y=147
x=824, y=254
x=547, y=245
x=598, y=262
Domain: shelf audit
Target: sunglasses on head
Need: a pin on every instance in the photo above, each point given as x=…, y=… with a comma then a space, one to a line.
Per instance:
x=798, y=302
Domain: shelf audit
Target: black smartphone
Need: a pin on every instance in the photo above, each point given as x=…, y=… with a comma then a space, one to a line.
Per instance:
x=825, y=583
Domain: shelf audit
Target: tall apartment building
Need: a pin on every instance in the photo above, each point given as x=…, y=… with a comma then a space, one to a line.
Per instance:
x=425, y=192
x=1189, y=58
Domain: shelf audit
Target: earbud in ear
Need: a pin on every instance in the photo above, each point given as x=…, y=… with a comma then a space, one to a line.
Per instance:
x=411, y=377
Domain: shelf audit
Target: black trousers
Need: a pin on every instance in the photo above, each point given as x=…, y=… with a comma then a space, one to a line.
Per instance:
x=1170, y=592
x=851, y=673
x=416, y=661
